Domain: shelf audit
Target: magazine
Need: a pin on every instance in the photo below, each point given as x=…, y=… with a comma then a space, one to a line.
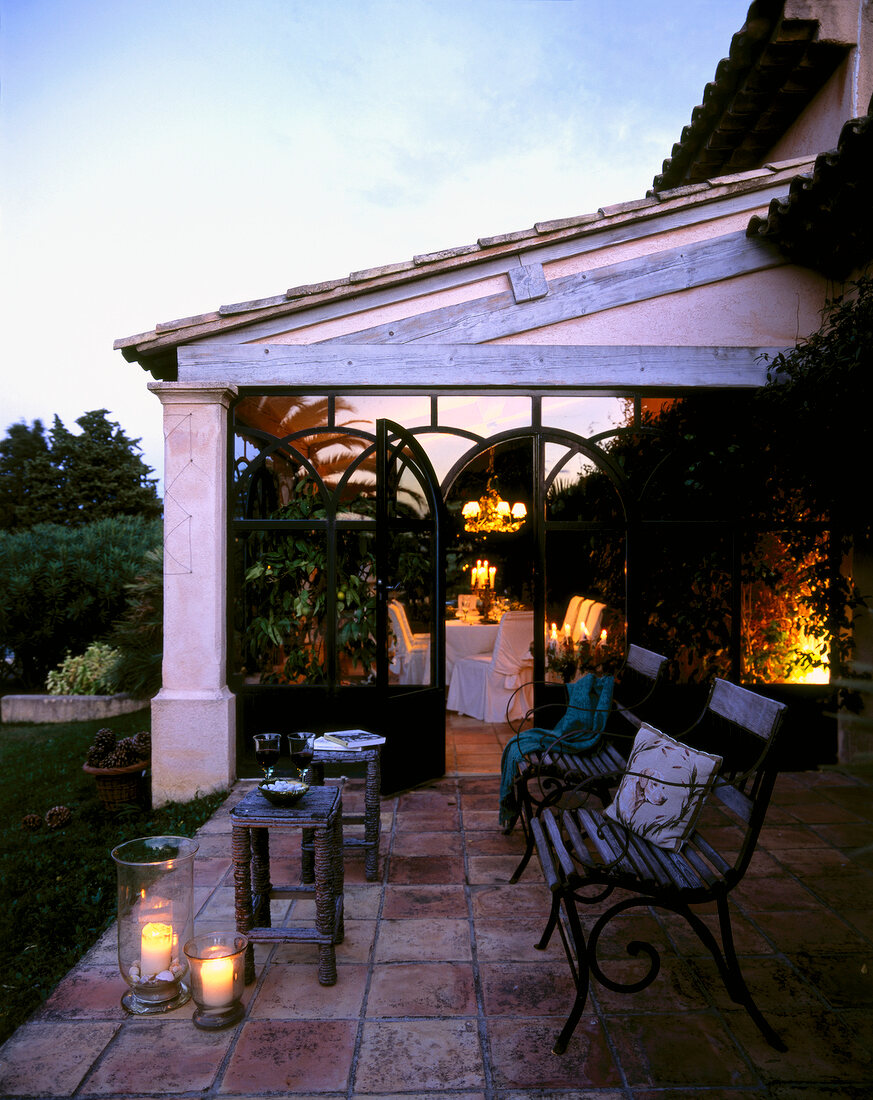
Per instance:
x=352, y=739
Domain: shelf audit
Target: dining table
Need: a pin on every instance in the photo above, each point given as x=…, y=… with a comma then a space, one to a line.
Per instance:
x=467, y=639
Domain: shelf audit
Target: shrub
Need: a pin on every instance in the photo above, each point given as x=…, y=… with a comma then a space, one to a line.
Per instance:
x=91, y=673
x=138, y=637
x=62, y=588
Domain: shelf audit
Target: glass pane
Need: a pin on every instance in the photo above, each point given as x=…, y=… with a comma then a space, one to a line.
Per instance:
x=785, y=634
x=485, y=416
x=585, y=599
x=490, y=521
x=356, y=606
x=580, y=490
x=682, y=584
x=364, y=411
x=279, y=615
x=587, y=416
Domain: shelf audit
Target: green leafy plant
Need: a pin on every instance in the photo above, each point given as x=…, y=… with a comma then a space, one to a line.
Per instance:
x=89, y=673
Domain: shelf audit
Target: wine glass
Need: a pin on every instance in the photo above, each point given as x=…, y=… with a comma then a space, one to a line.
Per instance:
x=302, y=747
x=268, y=747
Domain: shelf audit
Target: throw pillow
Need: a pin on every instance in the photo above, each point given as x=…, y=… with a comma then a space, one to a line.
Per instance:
x=663, y=788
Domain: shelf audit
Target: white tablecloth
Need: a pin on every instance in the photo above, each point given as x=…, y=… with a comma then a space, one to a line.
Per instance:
x=467, y=639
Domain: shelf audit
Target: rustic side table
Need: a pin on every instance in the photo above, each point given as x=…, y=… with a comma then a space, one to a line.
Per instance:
x=319, y=812
x=370, y=818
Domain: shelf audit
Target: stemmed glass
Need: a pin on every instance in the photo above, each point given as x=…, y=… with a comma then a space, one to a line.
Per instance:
x=302, y=746
x=268, y=748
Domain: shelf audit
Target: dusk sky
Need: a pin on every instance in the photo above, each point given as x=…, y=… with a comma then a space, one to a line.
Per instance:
x=162, y=158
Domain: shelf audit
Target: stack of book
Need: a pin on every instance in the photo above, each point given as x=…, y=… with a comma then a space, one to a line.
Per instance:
x=348, y=739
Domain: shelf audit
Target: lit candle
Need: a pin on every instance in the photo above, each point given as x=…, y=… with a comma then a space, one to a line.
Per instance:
x=492, y=573
x=603, y=637
x=156, y=946
x=216, y=976
x=554, y=634
x=566, y=632
x=584, y=632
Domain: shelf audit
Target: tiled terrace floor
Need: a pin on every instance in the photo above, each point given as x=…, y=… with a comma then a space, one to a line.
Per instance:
x=441, y=992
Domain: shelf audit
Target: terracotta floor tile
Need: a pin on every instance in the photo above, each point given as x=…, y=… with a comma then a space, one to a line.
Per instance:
x=423, y=900
x=821, y=1048
x=422, y=989
x=410, y=940
x=87, y=993
x=522, y=1058
x=842, y=892
x=505, y=939
x=51, y=1058
x=497, y=869
x=525, y=899
x=427, y=1055
x=433, y=869
x=846, y=981
x=780, y=838
x=189, y=1058
x=285, y=1056
x=292, y=992
x=427, y=844
x=676, y=987
x=542, y=988
x=691, y=1049
x=747, y=939
x=808, y=931
x=824, y=811
x=769, y=894
x=482, y=819
x=817, y=861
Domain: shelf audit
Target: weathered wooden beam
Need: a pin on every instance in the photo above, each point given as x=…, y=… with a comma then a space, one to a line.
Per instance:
x=521, y=366
x=580, y=294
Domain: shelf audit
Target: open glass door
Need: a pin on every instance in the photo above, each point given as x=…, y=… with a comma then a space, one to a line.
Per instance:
x=410, y=595
x=335, y=547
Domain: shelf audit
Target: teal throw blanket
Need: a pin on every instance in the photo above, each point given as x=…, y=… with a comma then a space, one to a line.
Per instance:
x=580, y=728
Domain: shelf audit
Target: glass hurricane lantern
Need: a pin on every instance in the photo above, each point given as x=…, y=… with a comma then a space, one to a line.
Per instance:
x=155, y=920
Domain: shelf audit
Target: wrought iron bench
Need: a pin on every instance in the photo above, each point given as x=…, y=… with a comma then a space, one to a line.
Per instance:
x=545, y=776
x=586, y=855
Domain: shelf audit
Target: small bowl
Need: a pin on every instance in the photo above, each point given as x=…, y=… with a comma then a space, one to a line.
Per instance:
x=283, y=792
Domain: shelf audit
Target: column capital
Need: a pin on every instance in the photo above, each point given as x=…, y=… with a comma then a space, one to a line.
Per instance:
x=195, y=393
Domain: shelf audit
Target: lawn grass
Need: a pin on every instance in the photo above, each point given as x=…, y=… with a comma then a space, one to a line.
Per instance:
x=59, y=887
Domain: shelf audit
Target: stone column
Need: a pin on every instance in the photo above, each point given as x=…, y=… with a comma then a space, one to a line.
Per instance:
x=193, y=715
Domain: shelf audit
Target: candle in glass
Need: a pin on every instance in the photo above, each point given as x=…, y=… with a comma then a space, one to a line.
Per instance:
x=217, y=978
x=156, y=947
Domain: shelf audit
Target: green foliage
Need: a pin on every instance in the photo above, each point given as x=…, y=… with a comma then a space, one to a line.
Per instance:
x=138, y=634
x=66, y=871
x=73, y=479
x=770, y=478
x=62, y=588
x=90, y=673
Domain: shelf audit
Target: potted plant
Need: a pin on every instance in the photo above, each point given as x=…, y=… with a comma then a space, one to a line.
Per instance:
x=118, y=766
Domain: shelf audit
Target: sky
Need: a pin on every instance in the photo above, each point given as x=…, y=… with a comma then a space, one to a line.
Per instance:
x=160, y=158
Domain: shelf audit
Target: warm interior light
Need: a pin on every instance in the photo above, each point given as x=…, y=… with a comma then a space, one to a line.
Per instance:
x=491, y=512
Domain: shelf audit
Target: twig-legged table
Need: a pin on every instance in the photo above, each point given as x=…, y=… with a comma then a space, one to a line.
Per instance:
x=370, y=818
x=319, y=811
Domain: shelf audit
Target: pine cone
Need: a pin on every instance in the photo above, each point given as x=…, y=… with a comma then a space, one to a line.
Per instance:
x=115, y=759
x=143, y=744
x=125, y=750
x=104, y=740
x=32, y=822
x=58, y=816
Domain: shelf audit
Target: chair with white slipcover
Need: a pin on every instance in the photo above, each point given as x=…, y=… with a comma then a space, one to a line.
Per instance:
x=411, y=652
x=482, y=685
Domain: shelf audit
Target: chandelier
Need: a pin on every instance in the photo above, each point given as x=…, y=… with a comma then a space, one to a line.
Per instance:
x=490, y=512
